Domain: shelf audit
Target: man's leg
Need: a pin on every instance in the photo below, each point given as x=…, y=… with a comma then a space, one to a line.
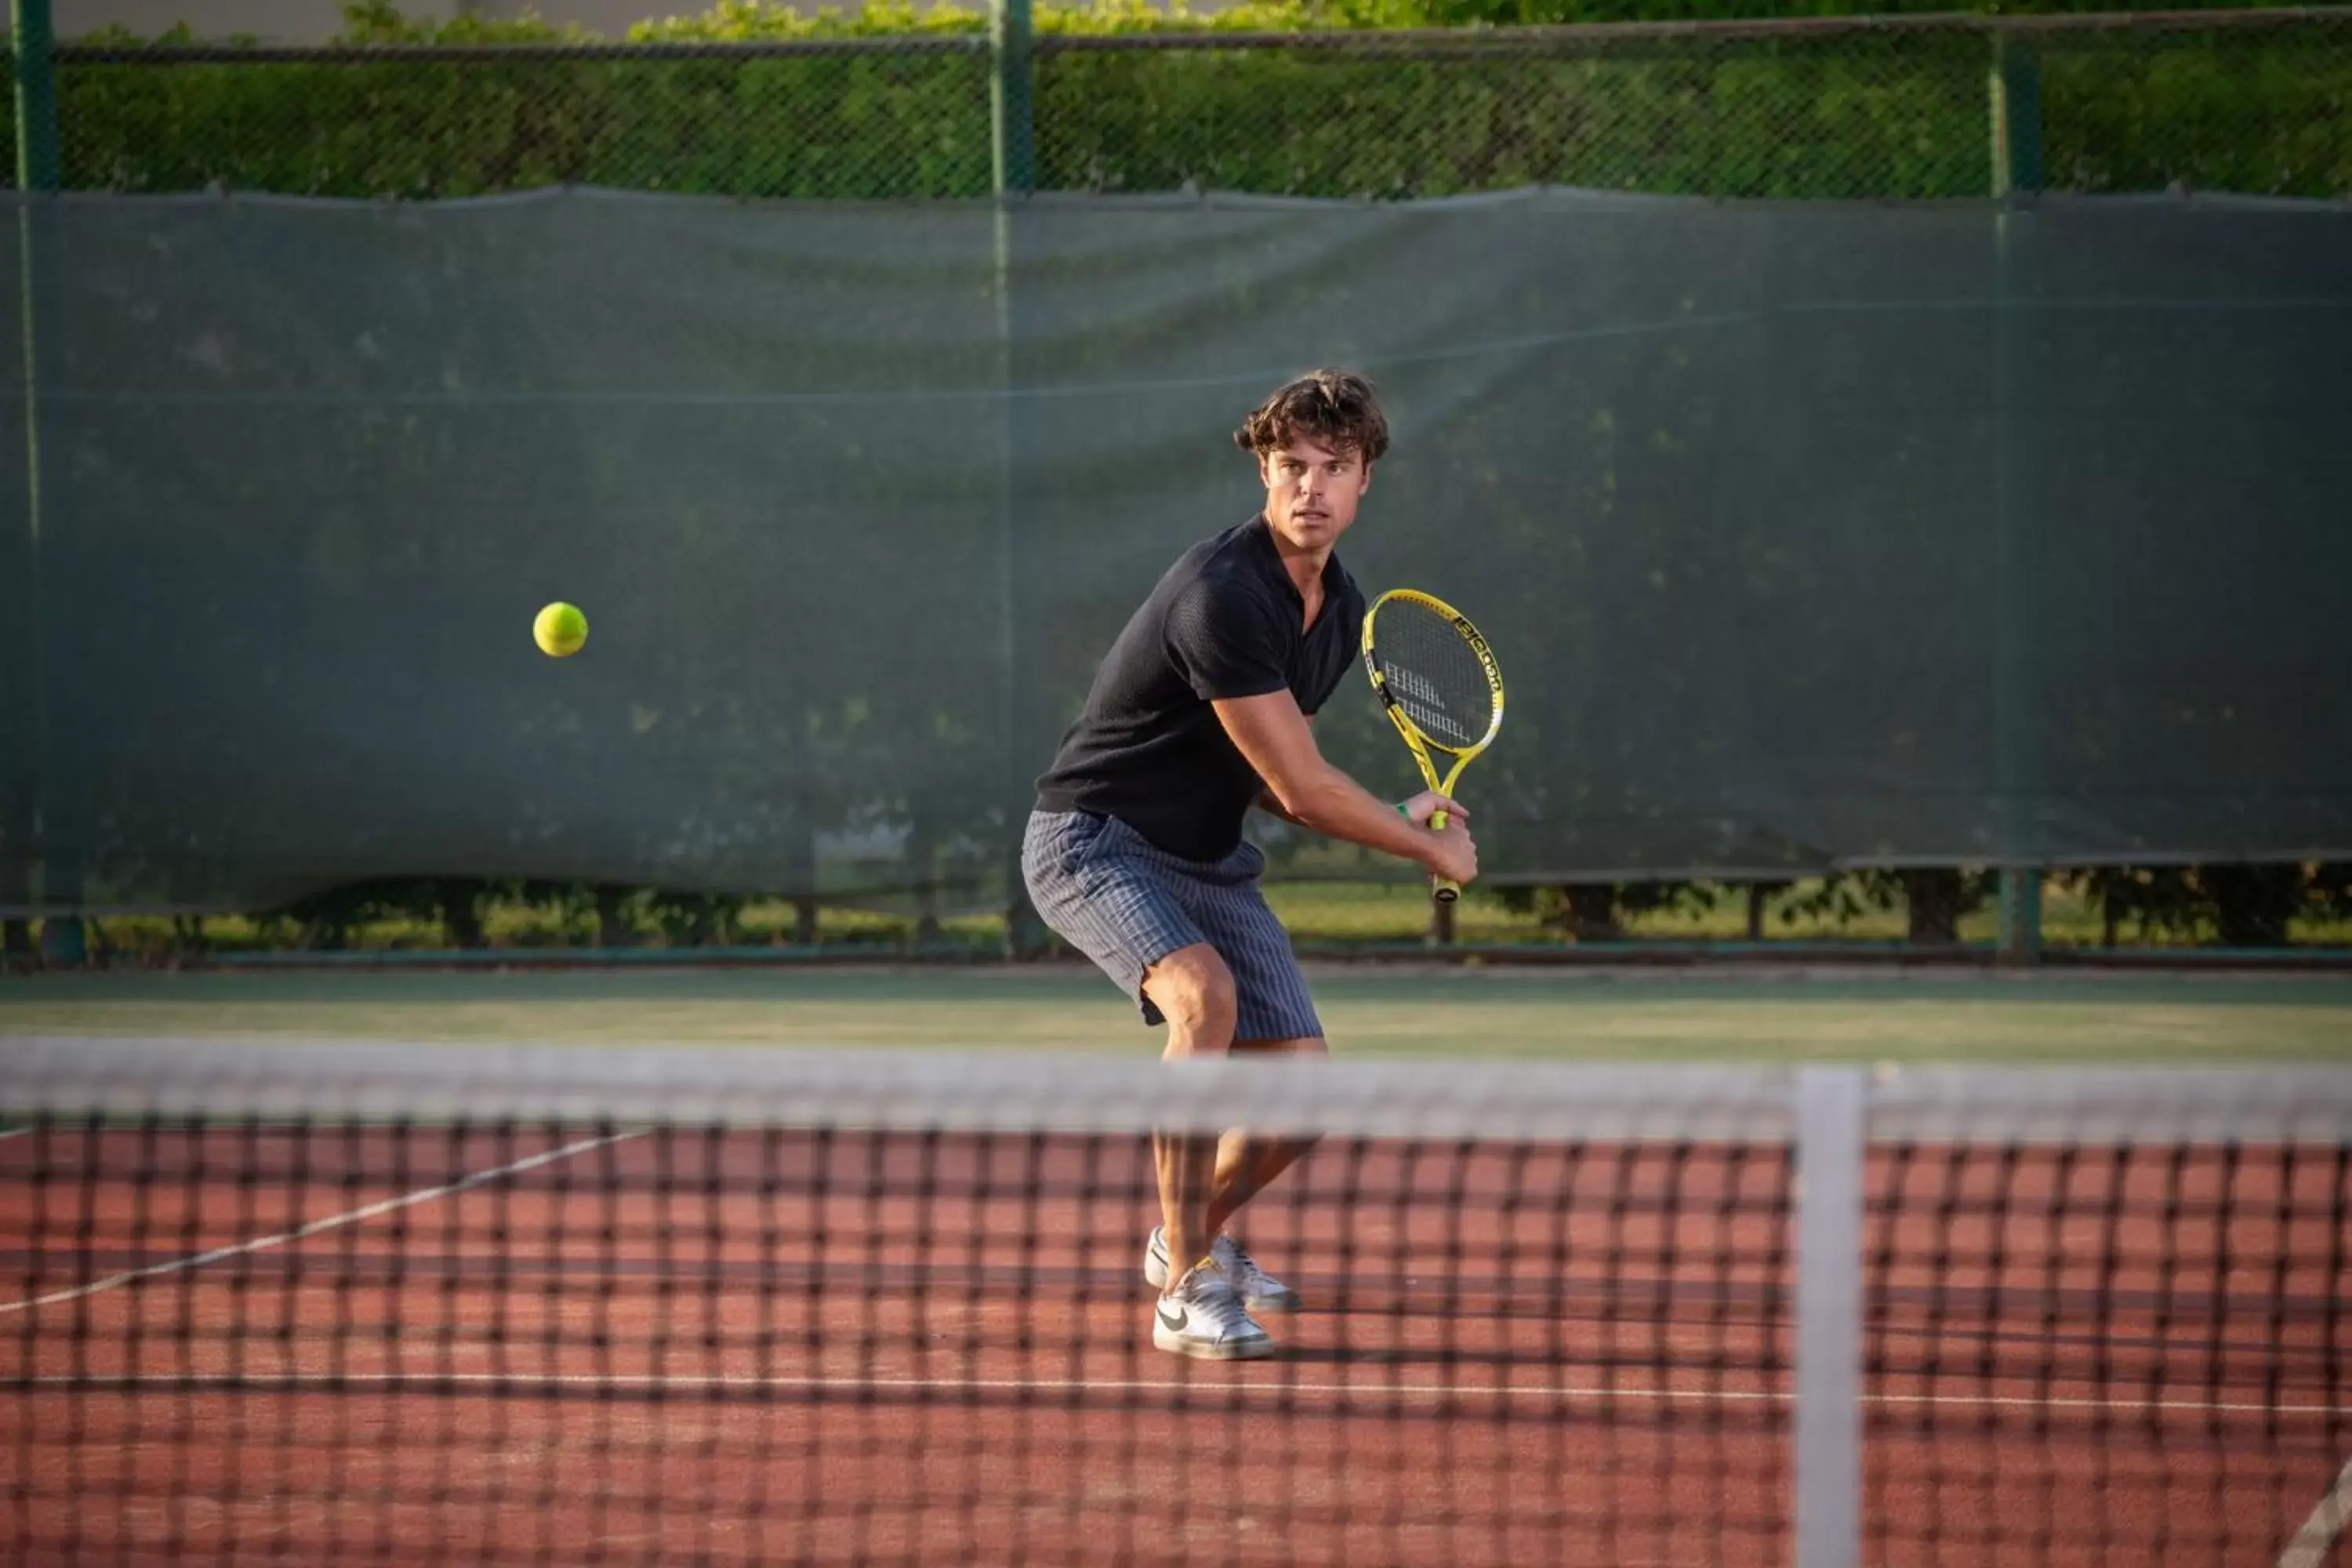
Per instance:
x=1194, y=992
x=1200, y=1313
x=1273, y=1014
x=1245, y=1165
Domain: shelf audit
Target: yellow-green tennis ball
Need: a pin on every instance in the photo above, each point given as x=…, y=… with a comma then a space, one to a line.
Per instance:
x=560, y=630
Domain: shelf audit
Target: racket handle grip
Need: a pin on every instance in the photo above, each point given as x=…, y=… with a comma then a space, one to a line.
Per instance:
x=1445, y=890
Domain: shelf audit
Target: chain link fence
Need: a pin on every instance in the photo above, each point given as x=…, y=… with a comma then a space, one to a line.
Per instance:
x=2251, y=101
x=819, y=118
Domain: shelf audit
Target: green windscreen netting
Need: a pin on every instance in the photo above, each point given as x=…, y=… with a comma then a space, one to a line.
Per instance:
x=1806, y=533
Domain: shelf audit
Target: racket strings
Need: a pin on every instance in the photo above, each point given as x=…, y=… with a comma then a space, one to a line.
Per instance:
x=1434, y=675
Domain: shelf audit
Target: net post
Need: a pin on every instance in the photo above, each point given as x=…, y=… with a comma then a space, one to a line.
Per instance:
x=1831, y=1114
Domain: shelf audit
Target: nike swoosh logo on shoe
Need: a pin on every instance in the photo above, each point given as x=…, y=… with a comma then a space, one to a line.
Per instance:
x=1175, y=1324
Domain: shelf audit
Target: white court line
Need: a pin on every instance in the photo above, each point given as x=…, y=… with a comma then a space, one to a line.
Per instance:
x=681, y=1386
x=2312, y=1544
x=2112, y=1406
x=9, y=1132
x=333, y=1222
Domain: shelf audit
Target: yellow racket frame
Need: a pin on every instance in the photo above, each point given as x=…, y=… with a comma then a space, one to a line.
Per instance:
x=1445, y=890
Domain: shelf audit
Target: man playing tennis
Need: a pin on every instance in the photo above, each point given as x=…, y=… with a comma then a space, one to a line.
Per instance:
x=1135, y=853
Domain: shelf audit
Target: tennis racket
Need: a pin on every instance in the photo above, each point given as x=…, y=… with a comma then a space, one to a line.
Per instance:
x=1438, y=680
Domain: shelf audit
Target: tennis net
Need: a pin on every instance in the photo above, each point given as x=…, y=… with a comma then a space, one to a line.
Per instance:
x=374, y=1304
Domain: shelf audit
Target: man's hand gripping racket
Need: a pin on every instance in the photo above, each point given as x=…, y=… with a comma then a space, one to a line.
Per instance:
x=1438, y=682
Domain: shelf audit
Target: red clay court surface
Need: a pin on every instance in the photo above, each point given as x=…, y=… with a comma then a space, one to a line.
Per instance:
x=567, y=1345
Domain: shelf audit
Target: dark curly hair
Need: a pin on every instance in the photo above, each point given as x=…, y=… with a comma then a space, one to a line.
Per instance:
x=1334, y=408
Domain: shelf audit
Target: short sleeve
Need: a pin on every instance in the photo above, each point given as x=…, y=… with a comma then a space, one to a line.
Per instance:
x=1226, y=641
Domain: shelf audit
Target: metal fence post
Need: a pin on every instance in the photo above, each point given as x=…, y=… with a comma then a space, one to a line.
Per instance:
x=1010, y=104
x=1009, y=109
x=37, y=96
x=1832, y=1112
x=37, y=160
x=2014, y=96
x=2016, y=101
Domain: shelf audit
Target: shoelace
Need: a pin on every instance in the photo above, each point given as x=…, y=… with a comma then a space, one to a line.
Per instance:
x=1217, y=1300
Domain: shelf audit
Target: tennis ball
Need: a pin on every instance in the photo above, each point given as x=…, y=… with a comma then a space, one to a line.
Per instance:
x=560, y=630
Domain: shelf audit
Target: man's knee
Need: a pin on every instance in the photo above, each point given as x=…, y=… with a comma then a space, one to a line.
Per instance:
x=1194, y=992
x=1304, y=1046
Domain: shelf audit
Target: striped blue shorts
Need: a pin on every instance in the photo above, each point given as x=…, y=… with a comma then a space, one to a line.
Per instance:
x=1127, y=903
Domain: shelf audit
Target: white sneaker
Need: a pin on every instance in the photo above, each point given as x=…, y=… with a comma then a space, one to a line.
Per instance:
x=1202, y=1317
x=1259, y=1291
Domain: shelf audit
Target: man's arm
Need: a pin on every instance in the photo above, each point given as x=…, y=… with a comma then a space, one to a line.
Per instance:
x=1265, y=797
x=1418, y=810
x=1273, y=735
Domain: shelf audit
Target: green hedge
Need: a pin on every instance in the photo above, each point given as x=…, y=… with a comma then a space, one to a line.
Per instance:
x=1872, y=115
x=1815, y=120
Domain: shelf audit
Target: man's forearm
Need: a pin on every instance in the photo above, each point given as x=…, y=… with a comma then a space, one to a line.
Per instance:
x=1337, y=806
x=1267, y=802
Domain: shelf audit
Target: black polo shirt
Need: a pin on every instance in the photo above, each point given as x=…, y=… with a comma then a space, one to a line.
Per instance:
x=1223, y=622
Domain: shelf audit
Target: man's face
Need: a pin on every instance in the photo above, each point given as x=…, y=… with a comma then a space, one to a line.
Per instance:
x=1311, y=492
